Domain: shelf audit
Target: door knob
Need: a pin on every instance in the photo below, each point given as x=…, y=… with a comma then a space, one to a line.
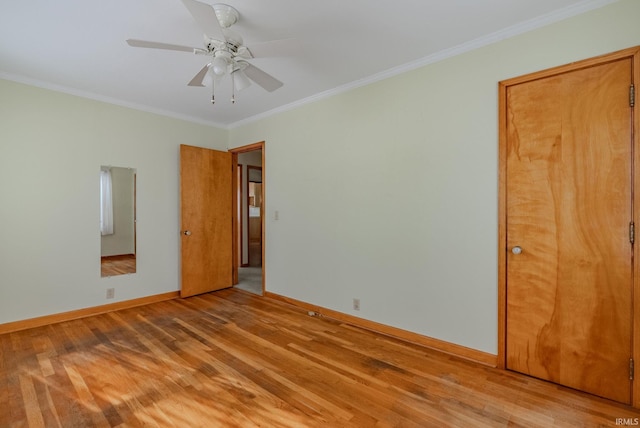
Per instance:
x=187, y=233
x=516, y=250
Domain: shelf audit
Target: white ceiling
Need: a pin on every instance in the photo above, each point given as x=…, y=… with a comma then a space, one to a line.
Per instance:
x=78, y=46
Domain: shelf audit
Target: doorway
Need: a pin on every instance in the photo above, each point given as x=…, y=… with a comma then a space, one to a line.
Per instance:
x=249, y=218
x=254, y=216
x=566, y=262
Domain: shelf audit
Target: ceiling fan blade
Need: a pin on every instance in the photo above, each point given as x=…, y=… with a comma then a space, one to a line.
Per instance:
x=275, y=48
x=157, y=45
x=262, y=78
x=199, y=78
x=204, y=15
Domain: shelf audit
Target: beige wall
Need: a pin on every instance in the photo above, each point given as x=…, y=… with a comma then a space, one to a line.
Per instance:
x=51, y=148
x=388, y=193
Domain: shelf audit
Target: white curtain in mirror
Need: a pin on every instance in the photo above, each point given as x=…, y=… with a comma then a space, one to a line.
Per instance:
x=106, y=203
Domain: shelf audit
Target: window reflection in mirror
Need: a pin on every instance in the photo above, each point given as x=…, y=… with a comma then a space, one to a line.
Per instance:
x=117, y=220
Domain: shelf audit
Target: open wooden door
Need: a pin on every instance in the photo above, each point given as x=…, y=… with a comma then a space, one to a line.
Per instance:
x=568, y=215
x=206, y=201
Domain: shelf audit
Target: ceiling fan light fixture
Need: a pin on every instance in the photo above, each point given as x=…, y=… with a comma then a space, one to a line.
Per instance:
x=240, y=80
x=219, y=65
x=227, y=15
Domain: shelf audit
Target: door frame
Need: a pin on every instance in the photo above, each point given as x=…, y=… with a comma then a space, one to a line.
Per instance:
x=236, y=262
x=634, y=54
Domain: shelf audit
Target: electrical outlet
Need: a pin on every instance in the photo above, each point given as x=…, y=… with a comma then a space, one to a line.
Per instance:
x=111, y=293
x=356, y=304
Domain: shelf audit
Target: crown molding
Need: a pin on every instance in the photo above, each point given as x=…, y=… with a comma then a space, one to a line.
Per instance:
x=523, y=27
x=102, y=98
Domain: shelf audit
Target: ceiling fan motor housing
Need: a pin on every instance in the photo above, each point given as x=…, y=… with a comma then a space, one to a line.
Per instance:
x=227, y=15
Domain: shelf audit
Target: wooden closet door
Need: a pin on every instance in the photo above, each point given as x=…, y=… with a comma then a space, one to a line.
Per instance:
x=568, y=209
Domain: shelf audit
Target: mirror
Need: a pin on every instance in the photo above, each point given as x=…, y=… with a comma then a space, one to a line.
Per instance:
x=117, y=220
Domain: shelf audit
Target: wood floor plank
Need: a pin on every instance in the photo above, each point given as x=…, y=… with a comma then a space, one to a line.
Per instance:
x=232, y=359
x=30, y=399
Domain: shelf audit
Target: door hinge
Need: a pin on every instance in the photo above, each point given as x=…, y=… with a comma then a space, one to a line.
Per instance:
x=632, y=95
x=631, y=369
x=632, y=232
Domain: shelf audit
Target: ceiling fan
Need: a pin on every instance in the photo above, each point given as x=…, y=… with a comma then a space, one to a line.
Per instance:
x=228, y=54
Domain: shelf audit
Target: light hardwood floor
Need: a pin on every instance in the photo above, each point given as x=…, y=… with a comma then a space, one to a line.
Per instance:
x=232, y=359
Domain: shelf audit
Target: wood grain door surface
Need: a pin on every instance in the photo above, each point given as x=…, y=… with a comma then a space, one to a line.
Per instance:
x=569, y=207
x=206, y=213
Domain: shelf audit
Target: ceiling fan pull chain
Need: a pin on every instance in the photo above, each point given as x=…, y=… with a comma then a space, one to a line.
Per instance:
x=213, y=91
x=233, y=89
